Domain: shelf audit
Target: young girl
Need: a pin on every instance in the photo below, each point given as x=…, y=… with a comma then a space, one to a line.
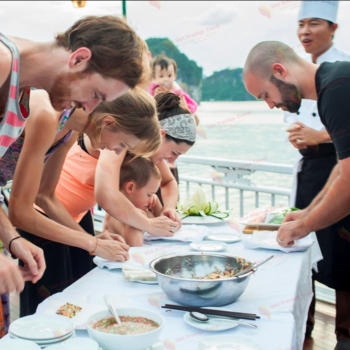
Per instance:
x=139, y=181
x=164, y=74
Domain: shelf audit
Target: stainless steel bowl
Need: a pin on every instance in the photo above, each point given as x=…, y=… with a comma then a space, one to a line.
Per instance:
x=180, y=286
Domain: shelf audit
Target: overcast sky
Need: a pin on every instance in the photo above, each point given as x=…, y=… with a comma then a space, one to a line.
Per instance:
x=233, y=27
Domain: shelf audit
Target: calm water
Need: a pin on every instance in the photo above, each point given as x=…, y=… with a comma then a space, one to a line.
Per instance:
x=245, y=131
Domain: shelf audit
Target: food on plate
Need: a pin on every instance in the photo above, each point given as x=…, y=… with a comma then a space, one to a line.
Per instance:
x=269, y=215
x=200, y=205
x=68, y=310
x=129, y=325
x=277, y=217
x=228, y=272
x=137, y=274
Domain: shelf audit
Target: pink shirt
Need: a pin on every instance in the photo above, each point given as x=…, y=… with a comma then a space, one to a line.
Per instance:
x=192, y=105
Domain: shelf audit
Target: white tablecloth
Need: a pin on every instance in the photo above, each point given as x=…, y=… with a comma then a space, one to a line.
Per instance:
x=280, y=292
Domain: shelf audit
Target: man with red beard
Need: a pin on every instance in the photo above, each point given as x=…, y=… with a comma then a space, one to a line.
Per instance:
x=317, y=158
x=97, y=59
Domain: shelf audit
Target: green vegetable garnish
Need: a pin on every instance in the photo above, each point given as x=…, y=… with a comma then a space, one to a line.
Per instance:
x=199, y=205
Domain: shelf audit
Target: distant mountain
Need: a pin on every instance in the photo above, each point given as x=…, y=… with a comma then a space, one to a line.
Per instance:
x=189, y=74
x=225, y=85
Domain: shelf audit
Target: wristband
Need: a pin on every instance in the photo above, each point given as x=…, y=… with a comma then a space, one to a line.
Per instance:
x=12, y=255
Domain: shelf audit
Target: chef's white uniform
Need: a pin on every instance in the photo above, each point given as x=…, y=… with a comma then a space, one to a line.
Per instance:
x=308, y=113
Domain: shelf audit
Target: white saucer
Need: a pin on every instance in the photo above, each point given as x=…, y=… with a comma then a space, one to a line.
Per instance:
x=47, y=342
x=16, y=344
x=52, y=342
x=208, y=246
x=228, y=342
x=41, y=327
x=223, y=237
x=215, y=324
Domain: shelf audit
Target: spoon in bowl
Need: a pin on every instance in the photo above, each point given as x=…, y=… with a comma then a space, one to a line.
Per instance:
x=252, y=267
x=108, y=299
x=199, y=317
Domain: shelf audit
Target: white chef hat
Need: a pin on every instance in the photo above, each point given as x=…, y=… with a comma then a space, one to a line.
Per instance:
x=319, y=9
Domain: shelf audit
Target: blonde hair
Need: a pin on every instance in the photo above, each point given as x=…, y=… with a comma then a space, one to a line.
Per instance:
x=134, y=113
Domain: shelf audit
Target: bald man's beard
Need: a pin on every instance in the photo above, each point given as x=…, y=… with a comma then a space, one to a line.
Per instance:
x=291, y=98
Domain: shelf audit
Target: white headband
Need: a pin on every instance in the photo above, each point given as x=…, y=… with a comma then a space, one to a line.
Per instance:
x=181, y=126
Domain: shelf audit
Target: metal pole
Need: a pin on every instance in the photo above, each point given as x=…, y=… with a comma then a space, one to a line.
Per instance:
x=124, y=9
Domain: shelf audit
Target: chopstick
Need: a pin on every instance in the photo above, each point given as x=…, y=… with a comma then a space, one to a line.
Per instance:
x=232, y=314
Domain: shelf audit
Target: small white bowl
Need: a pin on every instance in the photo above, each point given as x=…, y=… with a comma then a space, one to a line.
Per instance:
x=126, y=342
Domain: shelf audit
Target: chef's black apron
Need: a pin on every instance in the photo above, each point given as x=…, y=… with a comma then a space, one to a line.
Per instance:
x=334, y=241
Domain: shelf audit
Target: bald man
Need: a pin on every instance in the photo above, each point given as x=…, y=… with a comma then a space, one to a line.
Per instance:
x=275, y=73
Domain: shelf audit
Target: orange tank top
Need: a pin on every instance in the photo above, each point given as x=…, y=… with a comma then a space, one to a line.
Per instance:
x=76, y=187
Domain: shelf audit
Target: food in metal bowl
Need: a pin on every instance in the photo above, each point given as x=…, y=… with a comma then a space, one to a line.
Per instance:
x=227, y=272
x=187, y=278
x=129, y=325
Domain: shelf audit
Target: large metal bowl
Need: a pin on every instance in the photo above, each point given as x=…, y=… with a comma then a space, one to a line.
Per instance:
x=182, y=288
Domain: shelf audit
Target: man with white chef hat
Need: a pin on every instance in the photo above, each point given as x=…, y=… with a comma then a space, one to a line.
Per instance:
x=316, y=28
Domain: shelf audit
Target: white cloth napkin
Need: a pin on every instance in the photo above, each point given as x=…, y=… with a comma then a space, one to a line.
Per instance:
x=267, y=240
x=187, y=233
x=142, y=256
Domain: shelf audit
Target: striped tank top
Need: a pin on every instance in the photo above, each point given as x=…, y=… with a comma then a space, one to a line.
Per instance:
x=17, y=109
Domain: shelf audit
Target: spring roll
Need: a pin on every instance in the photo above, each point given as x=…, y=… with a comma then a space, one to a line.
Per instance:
x=143, y=277
x=127, y=274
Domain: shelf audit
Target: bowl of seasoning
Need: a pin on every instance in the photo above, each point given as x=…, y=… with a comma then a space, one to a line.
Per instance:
x=139, y=329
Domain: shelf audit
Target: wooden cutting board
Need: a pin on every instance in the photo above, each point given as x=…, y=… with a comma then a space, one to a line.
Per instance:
x=250, y=229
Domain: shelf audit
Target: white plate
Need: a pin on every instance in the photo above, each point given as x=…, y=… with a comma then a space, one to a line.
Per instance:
x=15, y=344
x=261, y=225
x=41, y=327
x=214, y=324
x=147, y=282
x=223, y=237
x=202, y=220
x=49, y=341
x=207, y=246
x=228, y=342
x=90, y=304
x=76, y=344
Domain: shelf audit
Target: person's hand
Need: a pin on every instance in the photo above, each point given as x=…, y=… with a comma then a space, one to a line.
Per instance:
x=112, y=247
x=302, y=136
x=172, y=214
x=163, y=226
x=11, y=278
x=290, y=232
x=32, y=257
x=295, y=215
x=106, y=235
x=153, y=201
x=160, y=88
